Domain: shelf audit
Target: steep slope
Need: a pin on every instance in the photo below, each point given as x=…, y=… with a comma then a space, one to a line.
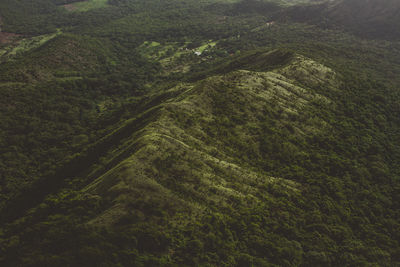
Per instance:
x=207, y=140
x=246, y=167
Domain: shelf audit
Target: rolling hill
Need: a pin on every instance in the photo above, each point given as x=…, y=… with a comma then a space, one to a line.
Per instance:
x=368, y=18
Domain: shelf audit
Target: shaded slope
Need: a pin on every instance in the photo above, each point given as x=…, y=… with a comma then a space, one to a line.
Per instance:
x=260, y=60
x=22, y=16
x=59, y=97
x=368, y=18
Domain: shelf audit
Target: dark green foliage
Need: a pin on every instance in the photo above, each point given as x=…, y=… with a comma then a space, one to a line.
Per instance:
x=252, y=60
x=25, y=16
x=64, y=2
x=103, y=164
x=371, y=19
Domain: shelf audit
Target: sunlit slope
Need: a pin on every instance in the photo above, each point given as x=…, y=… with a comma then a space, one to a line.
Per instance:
x=206, y=147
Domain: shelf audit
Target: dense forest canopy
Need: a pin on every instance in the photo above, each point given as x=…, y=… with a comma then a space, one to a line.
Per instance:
x=199, y=133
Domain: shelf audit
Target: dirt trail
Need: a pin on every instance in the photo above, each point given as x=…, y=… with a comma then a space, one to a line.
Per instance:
x=70, y=7
x=6, y=37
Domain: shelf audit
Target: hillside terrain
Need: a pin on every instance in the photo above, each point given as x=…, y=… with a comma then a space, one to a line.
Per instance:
x=199, y=133
x=368, y=18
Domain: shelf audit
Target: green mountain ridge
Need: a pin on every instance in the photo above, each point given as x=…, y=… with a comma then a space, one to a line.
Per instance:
x=176, y=129
x=199, y=133
x=180, y=186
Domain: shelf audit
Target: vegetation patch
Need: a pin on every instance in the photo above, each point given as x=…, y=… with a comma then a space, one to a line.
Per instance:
x=87, y=5
x=26, y=44
x=205, y=46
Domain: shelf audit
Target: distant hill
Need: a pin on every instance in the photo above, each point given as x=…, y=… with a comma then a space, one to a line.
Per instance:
x=368, y=18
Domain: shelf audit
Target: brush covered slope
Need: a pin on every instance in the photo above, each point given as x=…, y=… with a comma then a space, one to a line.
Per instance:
x=237, y=169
